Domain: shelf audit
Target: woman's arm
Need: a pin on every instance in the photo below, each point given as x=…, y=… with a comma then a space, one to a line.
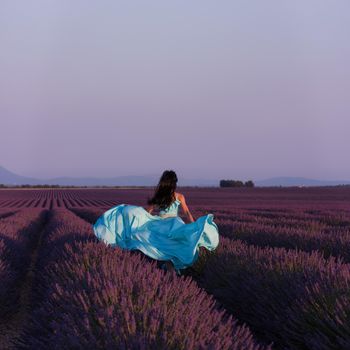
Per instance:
x=185, y=207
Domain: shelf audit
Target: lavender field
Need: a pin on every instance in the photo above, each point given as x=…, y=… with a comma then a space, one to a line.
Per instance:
x=280, y=278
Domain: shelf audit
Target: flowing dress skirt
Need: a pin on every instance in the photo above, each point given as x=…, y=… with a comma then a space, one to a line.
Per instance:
x=131, y=227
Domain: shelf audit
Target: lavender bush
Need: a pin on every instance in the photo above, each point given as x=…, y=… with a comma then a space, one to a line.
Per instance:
x=277, y=292
x=18, y=235
x=282, y=233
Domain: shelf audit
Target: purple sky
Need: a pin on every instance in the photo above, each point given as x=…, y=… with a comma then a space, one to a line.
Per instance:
x=229, y=89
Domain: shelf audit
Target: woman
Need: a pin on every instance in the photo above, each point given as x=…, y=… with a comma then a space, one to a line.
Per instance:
x=164, y=236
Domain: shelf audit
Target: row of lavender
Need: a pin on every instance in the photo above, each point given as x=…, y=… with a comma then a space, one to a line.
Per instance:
x=296, y=299
x=88, y=295
x=229, y=198
x=18, y=234
x=49, y=199
x=326, y=231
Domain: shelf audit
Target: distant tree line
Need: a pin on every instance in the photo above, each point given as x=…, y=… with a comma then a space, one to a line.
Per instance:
x=32, y=186
x=53, y=186
x=236, y=183
x=69, y=186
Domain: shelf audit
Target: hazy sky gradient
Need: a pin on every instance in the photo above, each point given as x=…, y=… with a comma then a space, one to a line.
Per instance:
x=228, y=89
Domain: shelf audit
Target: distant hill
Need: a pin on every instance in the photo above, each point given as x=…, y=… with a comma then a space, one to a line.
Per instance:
x=9, y=178
x=298, y=181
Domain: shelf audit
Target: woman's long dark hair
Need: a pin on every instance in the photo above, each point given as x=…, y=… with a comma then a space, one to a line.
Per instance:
x=164, y=192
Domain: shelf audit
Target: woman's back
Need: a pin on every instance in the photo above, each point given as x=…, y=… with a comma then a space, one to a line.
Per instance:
x=172, y=209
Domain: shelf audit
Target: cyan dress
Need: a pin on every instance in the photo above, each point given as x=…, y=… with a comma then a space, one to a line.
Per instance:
x=163, y=237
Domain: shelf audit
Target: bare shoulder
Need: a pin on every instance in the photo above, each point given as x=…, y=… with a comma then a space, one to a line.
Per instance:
x=179, y=196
